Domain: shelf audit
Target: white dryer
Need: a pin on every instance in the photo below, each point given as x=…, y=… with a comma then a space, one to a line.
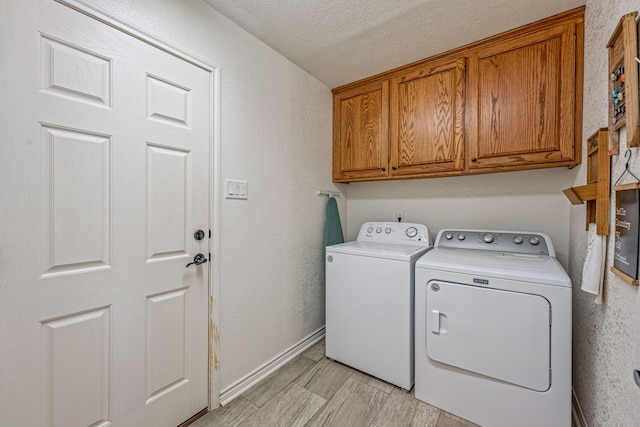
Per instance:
x=493, y=329
x=370, y=300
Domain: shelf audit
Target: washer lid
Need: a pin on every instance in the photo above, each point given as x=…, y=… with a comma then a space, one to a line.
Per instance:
x=379, y=250
x=523, y=267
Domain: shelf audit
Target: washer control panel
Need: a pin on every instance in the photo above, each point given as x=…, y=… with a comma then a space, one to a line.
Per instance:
x=504, y=241
x=395, y=232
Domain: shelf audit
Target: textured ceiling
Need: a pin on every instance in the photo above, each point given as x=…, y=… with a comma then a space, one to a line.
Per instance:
x=340, y=41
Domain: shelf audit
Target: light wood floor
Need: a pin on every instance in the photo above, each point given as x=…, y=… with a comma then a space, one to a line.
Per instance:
x=311, y=390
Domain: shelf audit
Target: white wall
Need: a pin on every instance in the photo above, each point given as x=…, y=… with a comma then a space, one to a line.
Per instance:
x=525, y=200
x=606, y=341
x=276, y=134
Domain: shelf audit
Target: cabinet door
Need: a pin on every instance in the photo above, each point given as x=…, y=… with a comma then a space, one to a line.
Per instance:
x=522, y=101
x=427, y=119
x=361, y=133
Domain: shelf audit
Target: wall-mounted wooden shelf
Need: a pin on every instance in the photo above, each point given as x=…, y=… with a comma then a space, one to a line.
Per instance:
x=624, y=107
x=596, y=192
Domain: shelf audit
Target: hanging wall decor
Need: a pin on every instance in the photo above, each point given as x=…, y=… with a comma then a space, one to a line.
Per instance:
x=625, y=260
x=625, y=254
x=624, y=105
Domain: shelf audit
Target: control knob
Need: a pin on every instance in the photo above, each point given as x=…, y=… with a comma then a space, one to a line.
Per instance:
x=534, y=240
x=487, y=237
x=411, y=232
x=387, y=230
x=518, y=240
x=448, y=236
x=379, y=230
x=461, y=236
x=370, y=230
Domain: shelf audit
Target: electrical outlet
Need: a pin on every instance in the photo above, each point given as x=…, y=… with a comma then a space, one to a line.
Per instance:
x=399, y=215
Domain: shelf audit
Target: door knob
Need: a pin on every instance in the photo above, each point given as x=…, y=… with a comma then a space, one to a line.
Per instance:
x=198, y=259
x=198, y=235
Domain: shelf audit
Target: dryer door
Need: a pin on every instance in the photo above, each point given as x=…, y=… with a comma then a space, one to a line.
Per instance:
x=500, y=334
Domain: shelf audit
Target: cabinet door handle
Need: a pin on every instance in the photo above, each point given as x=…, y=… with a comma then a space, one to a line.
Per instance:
x=383, y=169
x=394, y=167
x=473, y=159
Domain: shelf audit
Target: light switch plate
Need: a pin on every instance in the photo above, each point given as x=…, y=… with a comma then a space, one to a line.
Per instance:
x=235, y=189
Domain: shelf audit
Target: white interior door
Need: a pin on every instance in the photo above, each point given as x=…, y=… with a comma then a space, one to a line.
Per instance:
x=105, y=170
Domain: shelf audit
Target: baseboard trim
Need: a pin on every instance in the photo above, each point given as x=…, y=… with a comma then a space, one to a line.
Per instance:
x=244, y=384
x=577, y=415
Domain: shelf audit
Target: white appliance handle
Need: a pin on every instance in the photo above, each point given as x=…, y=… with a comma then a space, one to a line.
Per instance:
x=435, y=324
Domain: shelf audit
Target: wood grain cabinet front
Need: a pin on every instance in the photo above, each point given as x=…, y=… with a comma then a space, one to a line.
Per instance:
x=361, y=133
x=522, y=101
x=427, y=119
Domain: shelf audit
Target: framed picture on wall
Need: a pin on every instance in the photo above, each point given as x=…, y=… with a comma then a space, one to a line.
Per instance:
x=625, y=260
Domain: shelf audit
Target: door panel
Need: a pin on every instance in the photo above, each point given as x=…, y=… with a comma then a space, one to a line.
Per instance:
x=75, y=167
x=167, y=340
x=168, y=204
x=534, y=116
x=75, y=73
x=168, y=102
x=524, y=88
x=76, y=356
x=501, y=334
x=109, y=166
x=361, y=133
x=427, y=119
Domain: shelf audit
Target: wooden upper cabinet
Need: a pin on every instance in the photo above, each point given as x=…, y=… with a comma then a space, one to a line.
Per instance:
x=524, y=101
x=427, y=119
x=361, y=133
x=509, y=102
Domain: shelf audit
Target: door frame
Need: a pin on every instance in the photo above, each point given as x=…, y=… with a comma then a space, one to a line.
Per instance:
x=102, y=15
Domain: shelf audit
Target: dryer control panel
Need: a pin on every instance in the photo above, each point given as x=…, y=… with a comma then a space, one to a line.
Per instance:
x=520, y=242
x=395, y=232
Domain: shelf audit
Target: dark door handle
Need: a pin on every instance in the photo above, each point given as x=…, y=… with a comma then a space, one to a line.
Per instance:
x=198, y=259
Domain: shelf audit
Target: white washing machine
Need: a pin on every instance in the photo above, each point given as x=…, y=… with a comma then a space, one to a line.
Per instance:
x=493, y=329
x=370, y=299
